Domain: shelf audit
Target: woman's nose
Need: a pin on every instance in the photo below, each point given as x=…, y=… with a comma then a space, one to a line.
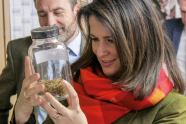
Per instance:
x=102, y=50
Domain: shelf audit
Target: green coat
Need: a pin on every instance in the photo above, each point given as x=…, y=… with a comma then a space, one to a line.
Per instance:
x=171, y=110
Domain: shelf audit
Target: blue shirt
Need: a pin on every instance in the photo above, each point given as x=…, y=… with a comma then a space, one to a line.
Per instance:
x=75, y=48
x=74, y=54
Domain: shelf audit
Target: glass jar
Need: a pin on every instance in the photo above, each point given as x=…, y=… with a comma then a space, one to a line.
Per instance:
x=50, y=58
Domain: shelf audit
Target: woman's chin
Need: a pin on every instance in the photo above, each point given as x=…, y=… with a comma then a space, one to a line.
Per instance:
x=107, y=74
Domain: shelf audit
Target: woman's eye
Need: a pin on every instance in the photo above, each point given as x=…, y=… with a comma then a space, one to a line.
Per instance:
x=110, y=40
x=95, y=39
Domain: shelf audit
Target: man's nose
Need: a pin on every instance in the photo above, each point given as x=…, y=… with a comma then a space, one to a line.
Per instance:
x=51, y=20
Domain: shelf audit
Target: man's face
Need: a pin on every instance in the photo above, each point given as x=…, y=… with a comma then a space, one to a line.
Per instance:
x=183, y=10
x=61, y=14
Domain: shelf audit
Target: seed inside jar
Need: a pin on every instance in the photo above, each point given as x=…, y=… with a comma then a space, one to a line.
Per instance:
x=54, y=87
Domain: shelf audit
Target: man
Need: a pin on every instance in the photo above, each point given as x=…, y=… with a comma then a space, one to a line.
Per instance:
x=166, y=8
x=160, y=8
x=176, y=29
x=61, y=13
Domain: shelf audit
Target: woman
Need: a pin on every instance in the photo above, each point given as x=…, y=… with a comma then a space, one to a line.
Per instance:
x=127, y=73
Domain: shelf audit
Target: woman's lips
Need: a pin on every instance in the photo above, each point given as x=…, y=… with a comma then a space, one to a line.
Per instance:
x=107, y=63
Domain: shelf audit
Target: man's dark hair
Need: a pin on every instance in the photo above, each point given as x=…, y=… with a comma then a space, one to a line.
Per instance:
x=72, y=3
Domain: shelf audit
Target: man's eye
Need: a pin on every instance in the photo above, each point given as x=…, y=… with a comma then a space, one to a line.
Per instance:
x=59, y=12
x=42, y=15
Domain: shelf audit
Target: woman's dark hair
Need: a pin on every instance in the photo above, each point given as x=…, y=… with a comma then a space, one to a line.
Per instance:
x=141, y=44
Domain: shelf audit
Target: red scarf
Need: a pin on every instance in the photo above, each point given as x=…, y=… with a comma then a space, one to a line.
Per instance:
x=104, y=103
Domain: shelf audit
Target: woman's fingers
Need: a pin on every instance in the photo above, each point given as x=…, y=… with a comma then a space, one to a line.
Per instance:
x=31, y=79
x=28, y=71
x=36, y=102
x=25, y=103
x=48, y=108
x=73, y=100
x=27, y=98
x=55, y=103
x=32, y=91
x=61, y=114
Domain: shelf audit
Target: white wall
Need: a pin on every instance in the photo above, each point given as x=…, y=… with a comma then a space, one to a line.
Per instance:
x=89, y=1
x=178, y=14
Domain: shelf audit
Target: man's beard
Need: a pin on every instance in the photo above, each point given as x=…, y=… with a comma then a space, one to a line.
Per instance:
x=68, y=32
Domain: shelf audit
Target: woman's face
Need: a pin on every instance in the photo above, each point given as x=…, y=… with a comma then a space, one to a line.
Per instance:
x=104, y=48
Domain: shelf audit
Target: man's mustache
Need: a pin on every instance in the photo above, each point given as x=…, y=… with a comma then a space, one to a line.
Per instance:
x=61, y=27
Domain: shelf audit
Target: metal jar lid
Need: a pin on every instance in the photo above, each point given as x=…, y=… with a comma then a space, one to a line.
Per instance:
x=44, y=32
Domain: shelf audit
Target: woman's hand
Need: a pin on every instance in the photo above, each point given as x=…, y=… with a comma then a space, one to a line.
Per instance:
x=27, y=98
x=61, y=114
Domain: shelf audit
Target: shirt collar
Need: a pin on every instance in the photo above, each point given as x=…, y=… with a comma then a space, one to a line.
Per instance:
x=184, y=28
x=74, y=45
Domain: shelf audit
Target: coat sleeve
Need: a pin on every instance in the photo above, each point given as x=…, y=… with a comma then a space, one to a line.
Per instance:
x=7, y=87
x=173, y=113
